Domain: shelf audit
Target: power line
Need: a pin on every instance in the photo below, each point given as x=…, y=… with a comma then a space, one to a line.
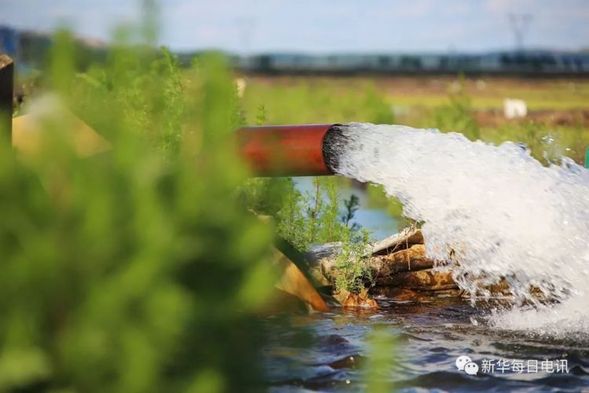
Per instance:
x=520, y=24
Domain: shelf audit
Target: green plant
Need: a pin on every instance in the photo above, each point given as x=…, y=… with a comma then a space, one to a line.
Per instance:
x=307, y=219
x=375, y=108
x=135, y=270
x=313, y=218
x=352, y=205
x=352, y=271
x=457, y=114
x=546, y=143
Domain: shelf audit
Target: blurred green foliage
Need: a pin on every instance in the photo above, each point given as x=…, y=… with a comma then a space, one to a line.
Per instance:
x=546, y=143
x=293, y=101
x=381, y=360
x=377, y=198
x=305, y=219
x=457, y=114
x=134, y=270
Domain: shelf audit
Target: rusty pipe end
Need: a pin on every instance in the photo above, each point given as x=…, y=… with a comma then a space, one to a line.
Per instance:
x=334, y=144
x=291, y=150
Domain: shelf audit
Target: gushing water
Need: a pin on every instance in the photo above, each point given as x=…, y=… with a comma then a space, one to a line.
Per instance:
x=494, y=211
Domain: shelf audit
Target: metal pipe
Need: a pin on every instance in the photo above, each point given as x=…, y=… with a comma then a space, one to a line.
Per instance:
x=289, y=150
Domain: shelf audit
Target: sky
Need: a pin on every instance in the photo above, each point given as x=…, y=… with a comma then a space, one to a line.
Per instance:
x=322, y=26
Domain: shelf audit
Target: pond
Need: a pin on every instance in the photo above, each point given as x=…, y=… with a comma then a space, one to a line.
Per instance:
x=325, y=352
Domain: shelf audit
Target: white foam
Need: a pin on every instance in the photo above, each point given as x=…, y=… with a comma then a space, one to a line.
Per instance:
x=498, y=210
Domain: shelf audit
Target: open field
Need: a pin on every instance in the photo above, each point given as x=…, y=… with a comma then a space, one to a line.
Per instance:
x=558, y=108
x=431, y=91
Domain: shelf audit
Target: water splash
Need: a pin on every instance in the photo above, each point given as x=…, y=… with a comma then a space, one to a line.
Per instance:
x=498, y=213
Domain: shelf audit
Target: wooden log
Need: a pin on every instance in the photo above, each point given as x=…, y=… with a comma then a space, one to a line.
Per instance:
x=6, y=94
x=401, y=270
x=356, y=300
x=413, y=295
x=382, y=267
x=320, y=260
x=294, y=282
x=423, y=280
x=407, y=260
x=399, y=241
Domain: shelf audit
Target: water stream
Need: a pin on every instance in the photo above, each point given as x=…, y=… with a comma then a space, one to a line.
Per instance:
x=494, y=210
x=497, y=214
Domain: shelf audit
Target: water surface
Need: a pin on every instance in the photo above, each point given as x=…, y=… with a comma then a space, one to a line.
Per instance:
x=325, y=352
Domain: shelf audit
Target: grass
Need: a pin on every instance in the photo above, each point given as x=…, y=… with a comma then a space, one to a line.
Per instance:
x=316, y=101
x=432, y=91
x=552, y=97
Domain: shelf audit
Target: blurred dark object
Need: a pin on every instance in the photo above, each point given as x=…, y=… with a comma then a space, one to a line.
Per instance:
x=6, y=93
x=521, y=63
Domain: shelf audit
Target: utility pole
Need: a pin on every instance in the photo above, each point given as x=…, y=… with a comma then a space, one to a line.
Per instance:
x=519, y=26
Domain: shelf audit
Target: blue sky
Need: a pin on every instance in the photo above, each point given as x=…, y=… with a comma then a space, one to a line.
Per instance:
x=249, y=26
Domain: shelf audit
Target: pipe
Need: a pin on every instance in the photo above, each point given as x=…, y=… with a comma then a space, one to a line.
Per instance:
x=290, y=150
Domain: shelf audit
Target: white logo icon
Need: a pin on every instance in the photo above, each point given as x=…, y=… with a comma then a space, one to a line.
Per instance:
x=471, y=368
x=462, y=361
x=465, y=363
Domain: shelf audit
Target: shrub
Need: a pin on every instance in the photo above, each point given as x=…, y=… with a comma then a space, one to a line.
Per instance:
x=457, y=114
x=135, y=270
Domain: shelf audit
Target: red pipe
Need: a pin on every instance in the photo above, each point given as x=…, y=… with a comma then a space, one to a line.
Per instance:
x=295, y=150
